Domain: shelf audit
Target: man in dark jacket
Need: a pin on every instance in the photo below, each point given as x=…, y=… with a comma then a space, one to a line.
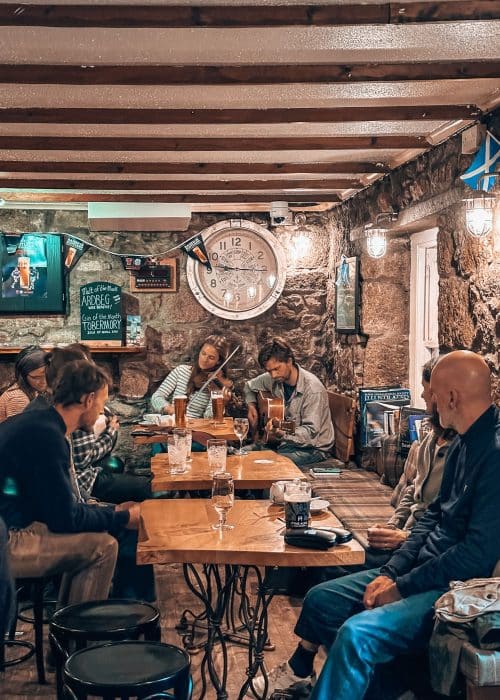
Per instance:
x=369, y=618
x=50, y=530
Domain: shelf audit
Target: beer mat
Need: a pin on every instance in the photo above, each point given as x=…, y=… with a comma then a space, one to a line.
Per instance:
x=263, y=461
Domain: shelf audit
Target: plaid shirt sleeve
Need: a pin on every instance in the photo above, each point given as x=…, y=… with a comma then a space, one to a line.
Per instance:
x=87, y=450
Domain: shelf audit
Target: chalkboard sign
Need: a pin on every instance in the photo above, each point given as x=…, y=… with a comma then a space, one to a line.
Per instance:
x=101, y=311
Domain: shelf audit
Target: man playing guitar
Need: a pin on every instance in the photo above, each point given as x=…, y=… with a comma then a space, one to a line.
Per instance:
x=305, y=403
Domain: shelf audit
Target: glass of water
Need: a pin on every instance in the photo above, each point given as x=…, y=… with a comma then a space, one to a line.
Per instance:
x=222, y=499
x=187, y=435
x=217, y=455
x=177, y=453
x=240, y=427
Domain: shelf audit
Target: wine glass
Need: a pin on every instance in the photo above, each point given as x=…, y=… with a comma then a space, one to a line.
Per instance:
x=222, y=499
x=240, y=426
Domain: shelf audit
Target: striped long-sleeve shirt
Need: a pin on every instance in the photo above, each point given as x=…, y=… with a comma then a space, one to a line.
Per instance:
x=12, y=401
x=175, y=384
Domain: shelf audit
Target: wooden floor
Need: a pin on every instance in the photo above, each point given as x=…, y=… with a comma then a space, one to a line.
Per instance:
x=20, y=682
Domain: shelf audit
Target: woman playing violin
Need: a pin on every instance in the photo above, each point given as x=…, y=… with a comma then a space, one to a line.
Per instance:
x=187, y=380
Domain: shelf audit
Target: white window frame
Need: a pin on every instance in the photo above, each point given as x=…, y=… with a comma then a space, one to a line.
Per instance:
x=421, y=347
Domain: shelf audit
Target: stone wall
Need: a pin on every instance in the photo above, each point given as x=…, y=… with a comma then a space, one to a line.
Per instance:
x=469, y=271
x=175, y=324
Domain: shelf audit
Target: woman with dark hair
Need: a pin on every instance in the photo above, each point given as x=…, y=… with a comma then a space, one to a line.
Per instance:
x=187, y=380
x=30, y=382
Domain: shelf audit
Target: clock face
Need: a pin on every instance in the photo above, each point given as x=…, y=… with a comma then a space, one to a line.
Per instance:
x=248, y=270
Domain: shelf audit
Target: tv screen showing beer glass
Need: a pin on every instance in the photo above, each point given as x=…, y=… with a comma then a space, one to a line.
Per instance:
x=32, y=279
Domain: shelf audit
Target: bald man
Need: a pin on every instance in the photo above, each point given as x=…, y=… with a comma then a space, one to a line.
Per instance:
x=371, y=617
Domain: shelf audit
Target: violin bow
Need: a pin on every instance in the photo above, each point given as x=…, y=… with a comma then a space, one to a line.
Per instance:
x=216, y=372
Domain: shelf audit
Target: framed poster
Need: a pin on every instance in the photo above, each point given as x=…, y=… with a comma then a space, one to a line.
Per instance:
x=347, y=296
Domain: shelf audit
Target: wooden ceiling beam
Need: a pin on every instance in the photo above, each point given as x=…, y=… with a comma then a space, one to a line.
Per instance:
x=256, y=74
x=159, y=168
x=133, y=143
x=41, y=115
x=60, y=197
x=243, y=16
x=173, y=185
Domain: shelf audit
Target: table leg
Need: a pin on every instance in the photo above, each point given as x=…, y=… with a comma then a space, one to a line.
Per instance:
x=256, y=621
x=212, y=586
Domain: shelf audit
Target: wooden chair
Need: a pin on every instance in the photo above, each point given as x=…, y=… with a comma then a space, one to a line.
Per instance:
x=342, y=411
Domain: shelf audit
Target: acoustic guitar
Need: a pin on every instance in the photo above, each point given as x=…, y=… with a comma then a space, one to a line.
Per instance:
x=269, y=407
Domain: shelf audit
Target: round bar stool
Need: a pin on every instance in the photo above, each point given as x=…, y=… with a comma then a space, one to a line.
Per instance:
x=74, y=626
x=128, y=670
x=37, y=586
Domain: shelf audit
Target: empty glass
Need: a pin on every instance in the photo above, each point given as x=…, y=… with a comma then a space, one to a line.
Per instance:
x=222, y=499
x=240, y=427
x=217, y=454
x=177, y=452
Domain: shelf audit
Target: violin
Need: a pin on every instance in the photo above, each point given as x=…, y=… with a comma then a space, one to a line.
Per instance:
x=217, y=383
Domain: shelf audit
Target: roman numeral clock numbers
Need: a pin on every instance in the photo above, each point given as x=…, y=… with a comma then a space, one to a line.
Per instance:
x=248, y=270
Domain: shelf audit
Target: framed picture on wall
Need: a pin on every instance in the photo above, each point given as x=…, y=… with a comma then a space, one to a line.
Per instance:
x=347, y=296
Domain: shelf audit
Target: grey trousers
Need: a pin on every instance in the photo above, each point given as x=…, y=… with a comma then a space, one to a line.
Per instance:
x=86, y=560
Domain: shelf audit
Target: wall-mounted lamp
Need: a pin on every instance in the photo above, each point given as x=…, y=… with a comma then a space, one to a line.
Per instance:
x=376, y=236
x=376, y=241
x=479, y=210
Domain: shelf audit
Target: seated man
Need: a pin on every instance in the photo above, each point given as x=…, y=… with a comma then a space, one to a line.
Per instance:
x=50, y=530
x=306, y=403
x=371, y=617
x=419, y=484
x=96, y=482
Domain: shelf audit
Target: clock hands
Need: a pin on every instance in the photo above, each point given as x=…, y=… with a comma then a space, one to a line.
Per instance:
x=226, y=268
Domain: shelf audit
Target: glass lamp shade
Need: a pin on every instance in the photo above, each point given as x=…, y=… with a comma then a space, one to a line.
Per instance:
x=479, y=212
x=376, y=242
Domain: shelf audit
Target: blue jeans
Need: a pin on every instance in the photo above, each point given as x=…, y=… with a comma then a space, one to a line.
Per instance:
x=358, y=640
x=301, y=456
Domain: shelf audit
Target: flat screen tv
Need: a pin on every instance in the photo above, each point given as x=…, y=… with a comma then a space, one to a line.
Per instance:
x=32, y=280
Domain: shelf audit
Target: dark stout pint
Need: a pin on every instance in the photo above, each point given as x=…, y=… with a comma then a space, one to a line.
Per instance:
x=217, y=407
x=180, y=405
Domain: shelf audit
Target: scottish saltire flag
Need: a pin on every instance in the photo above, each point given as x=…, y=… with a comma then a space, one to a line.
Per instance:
x=483, y=163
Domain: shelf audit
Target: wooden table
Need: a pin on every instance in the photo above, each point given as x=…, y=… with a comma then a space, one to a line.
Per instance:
x=148, y=434
x=255, y=470
x=216, y=567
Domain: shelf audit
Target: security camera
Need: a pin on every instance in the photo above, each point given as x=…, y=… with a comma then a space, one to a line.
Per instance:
x=279, y=212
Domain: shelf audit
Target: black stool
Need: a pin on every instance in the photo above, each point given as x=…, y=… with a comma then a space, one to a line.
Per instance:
x=36, y=586
x=128, y=670
x=72, y=627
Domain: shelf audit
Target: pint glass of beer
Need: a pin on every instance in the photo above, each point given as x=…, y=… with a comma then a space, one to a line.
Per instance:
x=23, y=264
x=217, y=398
x=180, y=404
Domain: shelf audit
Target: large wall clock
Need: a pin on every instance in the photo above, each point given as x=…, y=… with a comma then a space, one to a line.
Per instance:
x=248, y=270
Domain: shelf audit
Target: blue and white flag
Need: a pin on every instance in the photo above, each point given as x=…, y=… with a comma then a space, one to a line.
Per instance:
x=483, y=164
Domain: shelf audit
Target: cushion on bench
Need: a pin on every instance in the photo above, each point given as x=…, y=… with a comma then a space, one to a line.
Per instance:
x=480, y=666
x=357, y=498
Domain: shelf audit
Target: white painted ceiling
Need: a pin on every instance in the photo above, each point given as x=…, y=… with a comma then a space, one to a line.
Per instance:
x=51, y=143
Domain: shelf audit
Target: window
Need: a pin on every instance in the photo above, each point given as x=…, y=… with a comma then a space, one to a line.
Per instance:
x=424, y=292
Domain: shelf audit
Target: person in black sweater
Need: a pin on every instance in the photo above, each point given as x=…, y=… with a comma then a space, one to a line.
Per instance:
x=369, y=618
x=50, y=530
